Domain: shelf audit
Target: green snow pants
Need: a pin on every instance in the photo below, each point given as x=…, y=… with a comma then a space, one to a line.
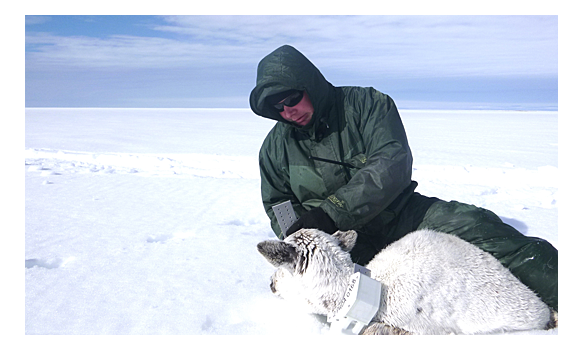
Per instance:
x=534, y=261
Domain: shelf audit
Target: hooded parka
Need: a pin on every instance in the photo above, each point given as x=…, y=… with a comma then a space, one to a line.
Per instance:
x=353, y=160
x=362, y=174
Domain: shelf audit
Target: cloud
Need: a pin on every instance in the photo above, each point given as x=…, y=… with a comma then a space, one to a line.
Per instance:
x=419, y=45
x=120, y=51
x=393, y=45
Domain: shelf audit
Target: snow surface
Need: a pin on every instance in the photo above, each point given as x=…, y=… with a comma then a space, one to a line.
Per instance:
x=145, y=221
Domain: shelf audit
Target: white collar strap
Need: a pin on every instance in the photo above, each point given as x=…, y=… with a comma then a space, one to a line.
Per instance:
x=360, y=303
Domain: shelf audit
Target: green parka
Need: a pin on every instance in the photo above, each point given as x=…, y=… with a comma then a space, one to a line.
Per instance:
x=360, y=127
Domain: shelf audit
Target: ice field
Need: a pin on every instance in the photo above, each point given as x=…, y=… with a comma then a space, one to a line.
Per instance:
x=145, y=221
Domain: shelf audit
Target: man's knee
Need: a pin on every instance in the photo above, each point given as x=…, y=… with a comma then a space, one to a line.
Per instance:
x=458, y=218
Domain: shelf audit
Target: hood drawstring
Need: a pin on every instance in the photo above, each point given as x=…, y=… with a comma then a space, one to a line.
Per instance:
x=321, y=133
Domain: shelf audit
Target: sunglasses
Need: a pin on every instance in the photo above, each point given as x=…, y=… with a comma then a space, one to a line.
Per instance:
x=290, y=101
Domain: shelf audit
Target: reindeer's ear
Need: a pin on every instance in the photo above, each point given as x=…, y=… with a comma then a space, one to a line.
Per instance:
x=278, y=253
x=346, y=239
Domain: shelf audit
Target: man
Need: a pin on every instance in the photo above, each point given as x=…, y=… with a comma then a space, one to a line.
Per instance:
x=341, y=155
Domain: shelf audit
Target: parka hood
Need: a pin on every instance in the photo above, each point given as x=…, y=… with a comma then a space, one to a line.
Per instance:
x=284, y=69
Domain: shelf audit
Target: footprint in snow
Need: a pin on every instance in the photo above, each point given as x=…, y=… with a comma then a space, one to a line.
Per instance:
x=240, y=222
x=159, y=238
x=235, y=222
x=45, y=263
x=49, y=173
x=207, y=324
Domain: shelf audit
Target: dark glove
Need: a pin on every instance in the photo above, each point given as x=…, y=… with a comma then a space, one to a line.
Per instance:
x=315, y=218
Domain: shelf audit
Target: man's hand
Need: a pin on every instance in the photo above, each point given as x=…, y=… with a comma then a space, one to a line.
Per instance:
x=315, y=218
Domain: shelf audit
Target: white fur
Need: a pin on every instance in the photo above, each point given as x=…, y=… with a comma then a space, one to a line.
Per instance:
x=432, y=283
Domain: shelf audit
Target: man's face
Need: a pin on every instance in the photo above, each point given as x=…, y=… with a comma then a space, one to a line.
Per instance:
x=300, y=114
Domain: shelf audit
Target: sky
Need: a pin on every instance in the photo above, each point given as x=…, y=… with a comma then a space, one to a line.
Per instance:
x=210, y=61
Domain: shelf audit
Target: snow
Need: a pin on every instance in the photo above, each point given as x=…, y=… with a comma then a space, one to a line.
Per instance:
x=145, y=221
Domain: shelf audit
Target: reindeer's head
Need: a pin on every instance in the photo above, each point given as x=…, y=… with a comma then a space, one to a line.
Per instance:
x=312, y=266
